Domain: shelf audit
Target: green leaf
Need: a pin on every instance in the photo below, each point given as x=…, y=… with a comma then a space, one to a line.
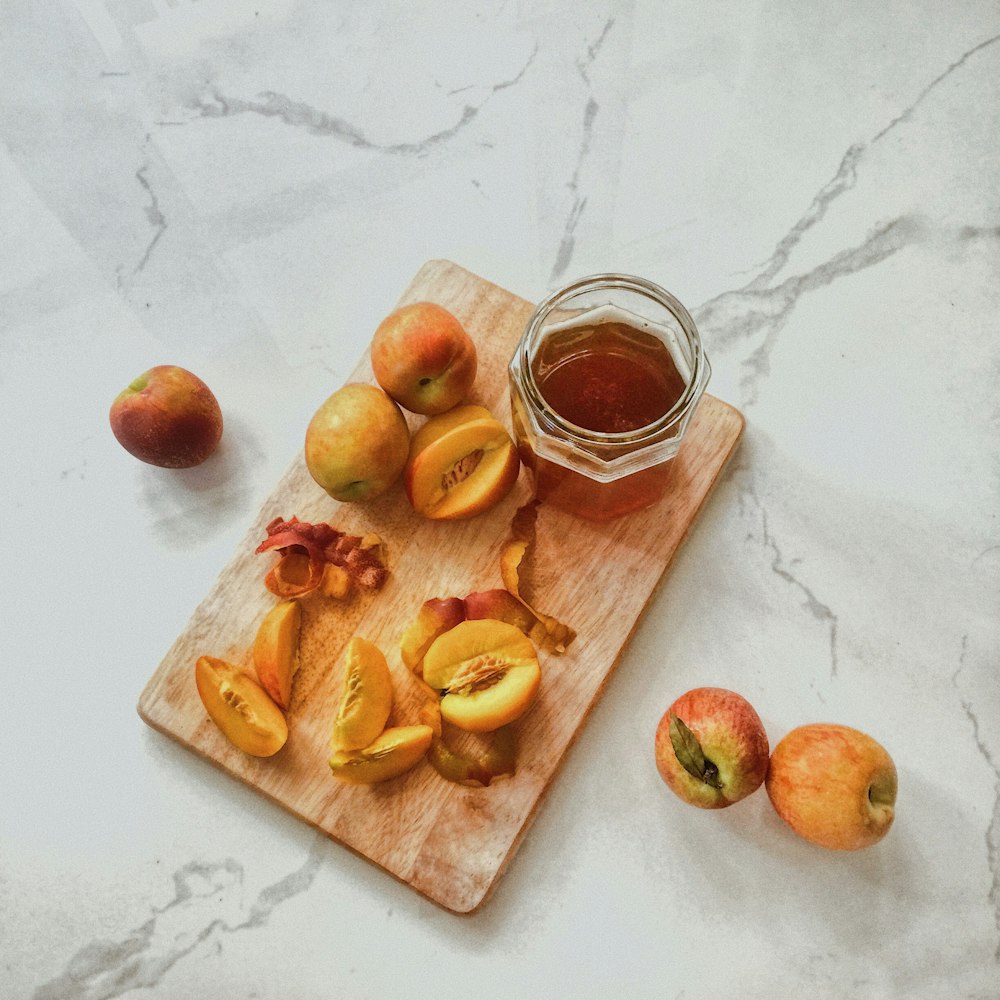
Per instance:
x=690, y=754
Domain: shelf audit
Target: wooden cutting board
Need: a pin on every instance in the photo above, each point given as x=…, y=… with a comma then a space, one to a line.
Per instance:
x=449, y=842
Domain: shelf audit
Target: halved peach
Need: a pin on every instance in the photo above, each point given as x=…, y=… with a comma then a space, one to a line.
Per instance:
x=240, y=707
x=276, y=650
x=366, y=698
x=391, y=754
x=434, y=618
x=460, y=467
x=486, y=671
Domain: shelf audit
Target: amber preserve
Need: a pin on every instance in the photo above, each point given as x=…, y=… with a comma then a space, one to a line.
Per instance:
x=604, y=382
x=609, y=378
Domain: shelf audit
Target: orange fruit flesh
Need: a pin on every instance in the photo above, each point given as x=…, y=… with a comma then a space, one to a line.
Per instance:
x=391, y=754
x=488, y=671
x=366, y=697
x=460, y=464
x=276, y=650
x=240, y=707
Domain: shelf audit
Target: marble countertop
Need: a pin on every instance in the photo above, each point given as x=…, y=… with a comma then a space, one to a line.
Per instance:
x=245, y=190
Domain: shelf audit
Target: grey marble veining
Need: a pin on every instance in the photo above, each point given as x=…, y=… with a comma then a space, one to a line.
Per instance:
x=246, y=190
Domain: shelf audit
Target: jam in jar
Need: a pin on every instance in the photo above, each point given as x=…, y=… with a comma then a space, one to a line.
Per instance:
x=604, y=383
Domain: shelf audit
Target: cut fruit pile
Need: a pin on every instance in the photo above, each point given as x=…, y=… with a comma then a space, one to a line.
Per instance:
x=475, y=657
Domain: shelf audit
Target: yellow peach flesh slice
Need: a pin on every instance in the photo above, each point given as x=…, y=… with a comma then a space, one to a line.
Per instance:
x=391, y=754
x=366, y=698
x=463, y=472
x=240, y=707
x=487, y=672
x=276, y=650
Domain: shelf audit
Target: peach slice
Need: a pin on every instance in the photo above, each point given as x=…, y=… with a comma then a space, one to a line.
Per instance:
x=366, y=698
x=391, y=754
x=486, y=671
x=434, y=618
x=240, y=707
x=276, y=650
x=460, y=467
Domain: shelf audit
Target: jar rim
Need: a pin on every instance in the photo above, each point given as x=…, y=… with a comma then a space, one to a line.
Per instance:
x=690, y=395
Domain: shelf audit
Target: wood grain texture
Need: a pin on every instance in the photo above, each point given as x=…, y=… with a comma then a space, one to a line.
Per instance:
x=448, y=842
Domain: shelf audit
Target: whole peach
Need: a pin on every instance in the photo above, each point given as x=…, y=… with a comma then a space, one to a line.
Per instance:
x=167, y=417
x=357, y=443
x=422, y=356
x=833, y=785
x=711, y=748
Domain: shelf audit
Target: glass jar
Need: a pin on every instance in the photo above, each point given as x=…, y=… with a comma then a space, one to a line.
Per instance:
x=603, y=384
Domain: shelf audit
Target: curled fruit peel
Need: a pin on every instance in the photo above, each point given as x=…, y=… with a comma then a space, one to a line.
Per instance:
x=479, y=769
x=319, y=545
x=498, y=757
x=552, y=634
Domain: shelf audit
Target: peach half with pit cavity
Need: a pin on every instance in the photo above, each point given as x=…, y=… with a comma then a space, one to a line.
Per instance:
x=486, y=672
x=460, y=464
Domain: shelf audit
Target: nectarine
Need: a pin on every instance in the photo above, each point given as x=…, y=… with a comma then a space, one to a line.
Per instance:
x=167, y=417
x=357, y=443
x=422, y=356
x=711, y=747
x=833, y=785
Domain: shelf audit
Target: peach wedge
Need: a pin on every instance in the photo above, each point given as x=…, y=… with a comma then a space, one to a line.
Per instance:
x=460, y=465
x=366, y=698
x=240, y=707
x=276, y=650
x=487, y=673
x=391, y=754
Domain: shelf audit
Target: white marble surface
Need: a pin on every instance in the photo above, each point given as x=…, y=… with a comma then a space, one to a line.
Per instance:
x=245, y=189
